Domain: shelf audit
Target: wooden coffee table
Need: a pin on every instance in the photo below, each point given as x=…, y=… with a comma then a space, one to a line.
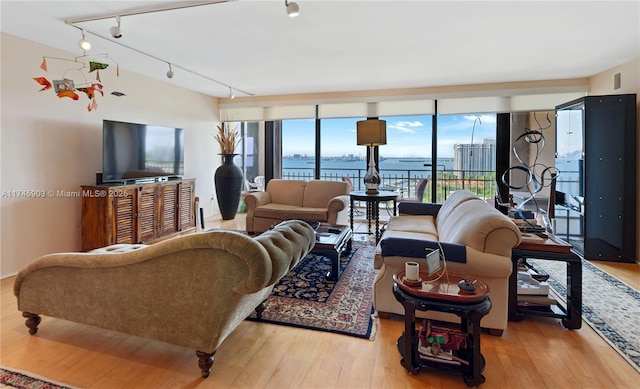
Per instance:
x=444, y=295
x=333, y=241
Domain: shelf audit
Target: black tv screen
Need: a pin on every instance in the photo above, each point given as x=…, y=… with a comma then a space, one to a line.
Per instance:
x=135, y=151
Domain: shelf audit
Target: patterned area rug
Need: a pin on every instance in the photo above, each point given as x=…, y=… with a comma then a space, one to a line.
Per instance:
x=303, y=298
x=16, y=379
x=609, y=306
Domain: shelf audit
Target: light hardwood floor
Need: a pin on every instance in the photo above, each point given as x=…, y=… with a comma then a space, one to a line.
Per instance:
x=533, y=353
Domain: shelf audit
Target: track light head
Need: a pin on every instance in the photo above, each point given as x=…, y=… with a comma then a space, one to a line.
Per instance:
x=231, y=95
x=170, y=72
x=293, y=9
x=115, y=31
x=83, y=43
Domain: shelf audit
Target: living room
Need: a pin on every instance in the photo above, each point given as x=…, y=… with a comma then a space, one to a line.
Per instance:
x=55, y=144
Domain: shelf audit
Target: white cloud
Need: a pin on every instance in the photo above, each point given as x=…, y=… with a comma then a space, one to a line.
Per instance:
x=405, y=126
x=484, y=119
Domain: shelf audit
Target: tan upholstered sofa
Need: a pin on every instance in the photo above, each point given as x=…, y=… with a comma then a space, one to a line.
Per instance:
x=189, y=291
x=477, y=240
x=324, y=201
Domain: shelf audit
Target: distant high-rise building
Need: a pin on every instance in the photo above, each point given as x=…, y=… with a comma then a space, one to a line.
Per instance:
x=473, y=159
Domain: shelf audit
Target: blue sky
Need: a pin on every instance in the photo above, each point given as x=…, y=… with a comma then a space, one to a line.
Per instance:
x=407, y=136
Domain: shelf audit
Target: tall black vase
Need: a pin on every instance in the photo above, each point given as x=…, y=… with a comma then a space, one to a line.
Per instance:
x=228, y=180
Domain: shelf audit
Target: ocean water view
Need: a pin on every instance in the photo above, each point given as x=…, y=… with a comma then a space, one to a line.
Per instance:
x=338, y=167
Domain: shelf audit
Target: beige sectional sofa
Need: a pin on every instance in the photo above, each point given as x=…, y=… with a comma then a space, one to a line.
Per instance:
x=477, y=240
x=190, y=291
x=318, y=200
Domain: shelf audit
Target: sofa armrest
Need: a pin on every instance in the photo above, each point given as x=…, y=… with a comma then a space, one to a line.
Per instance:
x=256, y=199
x=417, y=248
x=413, y=208
x=338, y=203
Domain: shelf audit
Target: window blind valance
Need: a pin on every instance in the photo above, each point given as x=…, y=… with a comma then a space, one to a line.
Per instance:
x=360, y=109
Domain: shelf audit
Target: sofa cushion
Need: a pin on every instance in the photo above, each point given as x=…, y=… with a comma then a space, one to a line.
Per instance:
x=287, y=192
x=482, y=227
x=318, y=193
x=454, y=200
x=320, y=214
x=274, y=211
x=412, y=223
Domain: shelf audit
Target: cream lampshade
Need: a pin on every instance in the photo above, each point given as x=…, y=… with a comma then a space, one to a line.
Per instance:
x=371, y=132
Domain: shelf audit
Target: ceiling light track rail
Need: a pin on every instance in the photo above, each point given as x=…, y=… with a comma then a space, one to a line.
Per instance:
x=143, y=11
x=170, y=63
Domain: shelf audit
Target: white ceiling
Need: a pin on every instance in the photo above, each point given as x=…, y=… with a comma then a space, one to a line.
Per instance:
x=335, y=46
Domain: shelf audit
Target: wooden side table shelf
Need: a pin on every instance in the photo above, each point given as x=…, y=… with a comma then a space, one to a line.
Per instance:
x=553, y=249
x=444, y=296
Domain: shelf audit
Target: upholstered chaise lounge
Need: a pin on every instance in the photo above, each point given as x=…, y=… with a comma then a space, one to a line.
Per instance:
x=317, y=200
x=476, y=238
x=189, y=291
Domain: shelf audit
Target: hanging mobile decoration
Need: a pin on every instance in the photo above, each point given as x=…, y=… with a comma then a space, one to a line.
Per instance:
x=66, y=87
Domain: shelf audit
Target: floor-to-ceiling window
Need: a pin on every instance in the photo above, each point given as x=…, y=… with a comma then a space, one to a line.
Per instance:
x=465, y=153
x=250, y=150
x=298, y=142
x=466, y=150
x=404, y=158
x=340, y=156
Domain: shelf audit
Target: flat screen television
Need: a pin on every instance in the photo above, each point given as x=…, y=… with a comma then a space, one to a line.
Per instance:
x=132, y=151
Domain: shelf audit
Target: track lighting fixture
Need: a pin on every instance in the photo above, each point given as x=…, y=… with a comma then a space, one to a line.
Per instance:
x=231, y=95
x=115, y=31
x=293, y=9
x=170, y=72
x=83, y=43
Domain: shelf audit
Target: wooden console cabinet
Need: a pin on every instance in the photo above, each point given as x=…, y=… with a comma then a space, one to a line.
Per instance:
x=136, y=213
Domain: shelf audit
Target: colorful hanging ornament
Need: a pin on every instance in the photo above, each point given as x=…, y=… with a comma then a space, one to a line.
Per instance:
x=97, y=66
x=91, y=90
x=43, y=65
x=93, y=105
x=44, y=82
x=68, y=93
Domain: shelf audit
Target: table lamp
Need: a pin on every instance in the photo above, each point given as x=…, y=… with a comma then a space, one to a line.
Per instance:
x=371, y=132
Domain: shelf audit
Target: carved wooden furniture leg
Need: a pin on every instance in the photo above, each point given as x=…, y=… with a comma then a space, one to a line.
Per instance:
x=205, y=361
x=32, y=322
x=259, y=309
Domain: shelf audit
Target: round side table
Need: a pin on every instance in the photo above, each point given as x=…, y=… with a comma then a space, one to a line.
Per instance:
x=443, y=295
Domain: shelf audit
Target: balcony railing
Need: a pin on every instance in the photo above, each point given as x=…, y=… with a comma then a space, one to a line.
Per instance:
x=483, y=183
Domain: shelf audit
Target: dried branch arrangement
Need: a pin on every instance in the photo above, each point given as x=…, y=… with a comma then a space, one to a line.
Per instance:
x=228, y=139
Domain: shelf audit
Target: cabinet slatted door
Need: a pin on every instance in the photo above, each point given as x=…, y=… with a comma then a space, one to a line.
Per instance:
x=187, y=208
x=147, y=214
x=169, y=209
x=125, y=212
x=135, y=213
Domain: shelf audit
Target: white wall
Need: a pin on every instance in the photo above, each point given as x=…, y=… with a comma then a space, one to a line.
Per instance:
x=52, y=144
